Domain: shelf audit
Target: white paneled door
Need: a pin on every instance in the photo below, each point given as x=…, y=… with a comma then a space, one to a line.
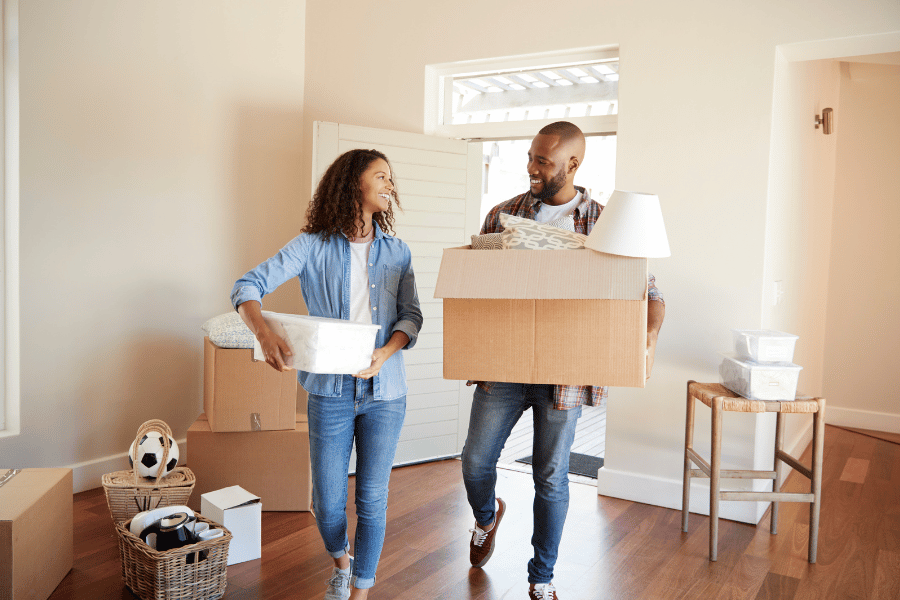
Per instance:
x=439, y=184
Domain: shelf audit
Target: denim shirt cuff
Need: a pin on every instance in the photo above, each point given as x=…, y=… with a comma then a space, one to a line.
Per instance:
x=244, y=294
x=410, y=329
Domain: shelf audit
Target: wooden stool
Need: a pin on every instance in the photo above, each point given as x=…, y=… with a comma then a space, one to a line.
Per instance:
x=720, y=399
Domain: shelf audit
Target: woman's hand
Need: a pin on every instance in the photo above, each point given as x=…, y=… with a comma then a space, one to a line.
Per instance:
x=398, y=340
x=275, y=349
x=378, y=357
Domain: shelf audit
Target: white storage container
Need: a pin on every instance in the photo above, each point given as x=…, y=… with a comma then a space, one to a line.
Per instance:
x=759, y=381
x=764, y=345
x=322, y=345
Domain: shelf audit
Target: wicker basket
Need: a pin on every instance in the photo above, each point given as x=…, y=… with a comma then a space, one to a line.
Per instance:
x=127, y=493
x=194, y=572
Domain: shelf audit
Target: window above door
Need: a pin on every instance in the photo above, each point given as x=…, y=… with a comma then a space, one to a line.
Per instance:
x=513, y=97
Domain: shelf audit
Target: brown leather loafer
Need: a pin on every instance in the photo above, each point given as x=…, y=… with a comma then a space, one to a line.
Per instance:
x=481, y=545
x=542, y=592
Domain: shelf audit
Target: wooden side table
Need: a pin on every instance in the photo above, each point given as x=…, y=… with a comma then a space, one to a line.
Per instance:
x=720, y=399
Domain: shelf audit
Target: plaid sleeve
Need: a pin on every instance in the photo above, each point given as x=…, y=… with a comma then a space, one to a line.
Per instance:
x=492, y=220
x=653, y=292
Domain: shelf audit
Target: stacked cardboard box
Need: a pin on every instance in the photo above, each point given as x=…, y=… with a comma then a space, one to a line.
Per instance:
x=250, y=434
x=36, y=549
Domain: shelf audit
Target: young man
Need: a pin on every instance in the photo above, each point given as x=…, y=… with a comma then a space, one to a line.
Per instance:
x=555, y=155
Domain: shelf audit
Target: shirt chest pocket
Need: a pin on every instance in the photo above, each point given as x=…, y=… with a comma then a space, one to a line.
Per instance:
x=390, y=284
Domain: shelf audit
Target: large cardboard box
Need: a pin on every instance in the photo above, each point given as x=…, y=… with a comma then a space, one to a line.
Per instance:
x=241, y=394
x=274, y=465
x=36, y=549
x=576, y=317
x=239, y=511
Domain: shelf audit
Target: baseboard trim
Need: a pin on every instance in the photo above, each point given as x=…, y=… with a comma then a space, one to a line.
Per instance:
x=862, y=419
x=659, y=491
x=89, y=474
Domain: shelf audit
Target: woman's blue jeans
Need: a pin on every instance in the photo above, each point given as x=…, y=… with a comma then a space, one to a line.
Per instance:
x=334, y=424
x=493, y=417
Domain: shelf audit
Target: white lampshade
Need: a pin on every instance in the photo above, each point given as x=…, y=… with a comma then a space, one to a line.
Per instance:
x=631, y=224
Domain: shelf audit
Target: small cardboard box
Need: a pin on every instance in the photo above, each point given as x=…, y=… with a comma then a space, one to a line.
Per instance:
x=273, y=464
x=36, y=549
x=240, y=512
x=241, y=394
x=575, y=317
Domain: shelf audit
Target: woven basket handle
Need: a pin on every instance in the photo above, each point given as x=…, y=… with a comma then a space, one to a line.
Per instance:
x=158, y=426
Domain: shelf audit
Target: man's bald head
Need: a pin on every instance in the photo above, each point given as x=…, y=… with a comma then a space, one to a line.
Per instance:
x=569, y=136
x=555, y=155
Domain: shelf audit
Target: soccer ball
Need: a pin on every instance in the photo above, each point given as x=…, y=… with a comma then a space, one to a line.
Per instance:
x=149, y=453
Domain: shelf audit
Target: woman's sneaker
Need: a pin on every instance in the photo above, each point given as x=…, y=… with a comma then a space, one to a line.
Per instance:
x=339, y=584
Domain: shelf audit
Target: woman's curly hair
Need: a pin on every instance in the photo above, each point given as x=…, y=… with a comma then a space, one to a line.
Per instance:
x=336, y=206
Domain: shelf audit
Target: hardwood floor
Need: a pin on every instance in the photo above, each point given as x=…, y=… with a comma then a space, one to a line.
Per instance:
x=612, y=549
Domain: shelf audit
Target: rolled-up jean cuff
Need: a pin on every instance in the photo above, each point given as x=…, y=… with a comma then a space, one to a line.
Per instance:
x=361, y=584
x=340, y=552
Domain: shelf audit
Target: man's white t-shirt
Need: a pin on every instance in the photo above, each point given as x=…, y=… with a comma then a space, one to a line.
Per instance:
x=549, y=213
x=359, y=282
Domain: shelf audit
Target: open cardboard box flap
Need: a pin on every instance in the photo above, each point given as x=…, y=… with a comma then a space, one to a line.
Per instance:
x=540, y=275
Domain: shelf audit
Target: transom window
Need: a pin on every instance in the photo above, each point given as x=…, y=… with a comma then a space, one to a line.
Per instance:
x=547, y=92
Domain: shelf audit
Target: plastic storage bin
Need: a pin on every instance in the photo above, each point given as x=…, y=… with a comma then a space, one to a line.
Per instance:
x=764, y=345
x=322, y=345
x=759, y=381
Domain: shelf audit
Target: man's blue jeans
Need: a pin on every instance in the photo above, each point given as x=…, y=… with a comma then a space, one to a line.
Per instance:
x=493, y=417
x=334, y=423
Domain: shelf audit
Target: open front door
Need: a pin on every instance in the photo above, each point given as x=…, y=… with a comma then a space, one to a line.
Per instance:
x=439, y=184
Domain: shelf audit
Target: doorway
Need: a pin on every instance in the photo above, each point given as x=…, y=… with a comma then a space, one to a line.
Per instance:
x=504, y=177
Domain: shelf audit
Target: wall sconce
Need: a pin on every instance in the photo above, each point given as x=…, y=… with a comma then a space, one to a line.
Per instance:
x=826, y=120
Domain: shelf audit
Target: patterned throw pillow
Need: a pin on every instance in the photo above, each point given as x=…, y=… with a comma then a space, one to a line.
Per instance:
x=567, y=223
x=488, y=241
x=229, y=331
x=525, y=234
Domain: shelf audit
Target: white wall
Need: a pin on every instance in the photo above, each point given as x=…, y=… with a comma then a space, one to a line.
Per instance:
x=863, y=326
x=160, y=159
x=798, y=229
x=694, y=127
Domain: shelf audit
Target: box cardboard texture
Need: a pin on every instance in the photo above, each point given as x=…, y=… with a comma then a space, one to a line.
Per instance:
x=272, y=464
x=36, y=549
x=241, y=394
x=575, y=317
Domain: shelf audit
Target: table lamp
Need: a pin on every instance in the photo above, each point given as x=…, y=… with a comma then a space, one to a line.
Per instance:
x=631, y=224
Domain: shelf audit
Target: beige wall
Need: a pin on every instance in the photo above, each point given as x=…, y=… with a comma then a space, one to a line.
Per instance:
x=694, y=127
x=160, y=158
x=798, y=223
x=863, y=326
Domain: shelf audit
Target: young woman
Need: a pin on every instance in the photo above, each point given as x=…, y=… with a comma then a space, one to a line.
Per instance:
x=349, y=268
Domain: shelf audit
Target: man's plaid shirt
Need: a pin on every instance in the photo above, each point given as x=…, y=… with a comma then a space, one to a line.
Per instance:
x=586, y=213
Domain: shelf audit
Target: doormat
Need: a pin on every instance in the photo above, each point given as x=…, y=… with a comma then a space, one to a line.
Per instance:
x=579, y=464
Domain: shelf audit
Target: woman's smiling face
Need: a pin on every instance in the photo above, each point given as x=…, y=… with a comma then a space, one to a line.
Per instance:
x=377, y=186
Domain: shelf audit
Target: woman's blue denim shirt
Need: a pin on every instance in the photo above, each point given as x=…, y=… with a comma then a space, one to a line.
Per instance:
x=323, y=267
